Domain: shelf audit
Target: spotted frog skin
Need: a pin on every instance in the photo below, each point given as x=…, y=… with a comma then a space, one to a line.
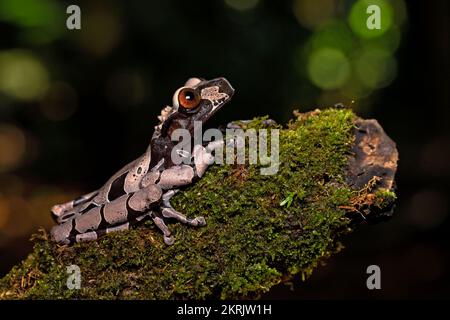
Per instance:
x=144, y=187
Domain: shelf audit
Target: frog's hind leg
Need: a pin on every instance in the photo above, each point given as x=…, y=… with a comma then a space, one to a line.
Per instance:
x=64, y=234
x=77, y=211
x=109, y=217
x=61, y=209
x=93, y=235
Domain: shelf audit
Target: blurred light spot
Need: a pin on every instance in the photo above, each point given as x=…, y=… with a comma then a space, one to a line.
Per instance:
x=59, y=103
x=22, y=75
x=40, y=21
x=101, y=30
x=242, y=5
x=358, y=18
x=435, y=157
x=333, y=35
x=428, y=209
x=126, y=88
x=375, y=68
x=314, y=13
x=42, y=199
x=28, y=13
x=388, y=41
x=12, y=146
x=19, y=222
x=328, y=68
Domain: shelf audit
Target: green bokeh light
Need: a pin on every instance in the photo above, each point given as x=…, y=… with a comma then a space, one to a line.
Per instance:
x=334, y=35
x=328, y=68
x=375, y=68
x=388, y=41
x=312, y=14
x=358, y=18
x=41, y=21
x=22, y=75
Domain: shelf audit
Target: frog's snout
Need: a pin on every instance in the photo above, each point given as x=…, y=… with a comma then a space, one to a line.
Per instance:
x=225, y=86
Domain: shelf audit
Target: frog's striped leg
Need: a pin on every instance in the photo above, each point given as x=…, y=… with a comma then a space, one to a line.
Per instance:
x=122, y=210
x=125, y=181
x=78, y=210
x=95, y=234
x=59, y=209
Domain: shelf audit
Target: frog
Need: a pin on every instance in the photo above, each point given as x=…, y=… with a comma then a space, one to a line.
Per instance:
x=143, y=188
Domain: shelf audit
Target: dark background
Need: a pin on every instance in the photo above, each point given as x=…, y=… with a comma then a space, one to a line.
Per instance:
x=87, y=100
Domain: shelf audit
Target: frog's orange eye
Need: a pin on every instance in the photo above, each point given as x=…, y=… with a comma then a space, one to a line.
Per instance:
x=188, y=98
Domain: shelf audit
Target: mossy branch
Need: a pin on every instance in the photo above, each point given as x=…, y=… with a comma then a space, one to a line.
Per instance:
x=336, y=171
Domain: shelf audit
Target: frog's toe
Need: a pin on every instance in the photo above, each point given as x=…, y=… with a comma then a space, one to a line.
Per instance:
x=200, y=221
x=57, y=210
x=169, y=240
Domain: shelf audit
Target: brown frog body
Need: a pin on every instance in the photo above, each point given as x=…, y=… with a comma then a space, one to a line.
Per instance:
x=144, y=187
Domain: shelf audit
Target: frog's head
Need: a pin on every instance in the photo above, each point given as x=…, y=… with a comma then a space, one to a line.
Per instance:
x=197, y=100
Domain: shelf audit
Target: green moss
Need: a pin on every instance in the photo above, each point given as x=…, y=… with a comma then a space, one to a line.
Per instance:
x=384, y=198
x=250, y=243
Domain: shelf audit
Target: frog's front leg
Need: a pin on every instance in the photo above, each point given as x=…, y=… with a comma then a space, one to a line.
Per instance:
x=184, y=175
x=169, y=212
x=159, y=222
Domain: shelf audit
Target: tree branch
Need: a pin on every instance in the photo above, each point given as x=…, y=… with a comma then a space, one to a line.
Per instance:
x=336, y=171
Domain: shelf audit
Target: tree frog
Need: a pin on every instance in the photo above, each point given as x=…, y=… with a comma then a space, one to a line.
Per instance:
x=144, y=187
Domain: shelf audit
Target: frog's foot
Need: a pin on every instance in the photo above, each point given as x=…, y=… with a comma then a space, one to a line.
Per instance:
x=66, y=208
x=169, y=212
x=159, y=222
